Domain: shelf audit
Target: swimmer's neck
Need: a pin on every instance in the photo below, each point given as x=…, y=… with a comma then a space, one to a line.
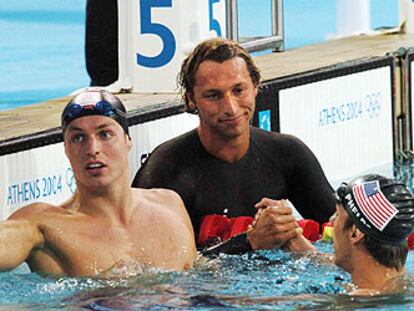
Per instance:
x=114, y=203
x=370, y=277
x=229, y=149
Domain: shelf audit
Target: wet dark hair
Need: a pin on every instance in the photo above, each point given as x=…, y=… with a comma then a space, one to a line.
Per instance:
x=388, y=255
x=218, y=50
x=387, y=245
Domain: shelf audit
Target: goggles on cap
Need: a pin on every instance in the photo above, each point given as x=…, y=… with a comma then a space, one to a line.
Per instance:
x=102, y=107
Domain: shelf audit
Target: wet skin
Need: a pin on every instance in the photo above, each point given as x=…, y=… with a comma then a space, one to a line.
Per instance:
x=106, y=223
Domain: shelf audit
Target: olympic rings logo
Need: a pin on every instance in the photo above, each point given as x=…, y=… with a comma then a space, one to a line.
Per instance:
x=70, y=180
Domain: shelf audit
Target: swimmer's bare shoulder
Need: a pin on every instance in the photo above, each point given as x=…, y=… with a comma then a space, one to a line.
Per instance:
x=34, y=210
x=20, y=234
x=174, y=222
x=29, y=217
x=22, y=238
x=163, y=200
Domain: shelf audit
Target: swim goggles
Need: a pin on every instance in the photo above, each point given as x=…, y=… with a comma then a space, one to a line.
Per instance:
x=104, y=108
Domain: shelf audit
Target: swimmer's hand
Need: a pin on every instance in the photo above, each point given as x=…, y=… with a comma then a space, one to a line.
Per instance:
x=273, y=226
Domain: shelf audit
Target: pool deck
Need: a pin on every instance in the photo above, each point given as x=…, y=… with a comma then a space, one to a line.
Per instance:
x=41, y=117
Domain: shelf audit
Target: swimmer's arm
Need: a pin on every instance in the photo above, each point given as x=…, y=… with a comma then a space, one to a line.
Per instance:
x=318, y=258
x=238, y=244
x=273, y=226
x=284, y=229
x=186, y=236
x=303, y=246
x=17, y=239
x=299, y=244
x=364, y=292
x=185, y=247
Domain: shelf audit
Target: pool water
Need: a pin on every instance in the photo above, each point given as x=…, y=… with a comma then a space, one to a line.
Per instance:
x=42, y=57
x=267, y=280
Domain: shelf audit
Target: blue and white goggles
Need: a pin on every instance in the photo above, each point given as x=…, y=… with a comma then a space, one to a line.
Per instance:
x=93, y=103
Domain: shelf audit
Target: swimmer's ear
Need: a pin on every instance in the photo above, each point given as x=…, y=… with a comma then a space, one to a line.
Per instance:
x=192, y=105
x=128, y=141
x=256, y=90
x=355, y=235
x=190, y=101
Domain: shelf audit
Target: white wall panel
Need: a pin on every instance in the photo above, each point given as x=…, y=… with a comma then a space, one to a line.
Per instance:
x=44, y=174
x=346, y=121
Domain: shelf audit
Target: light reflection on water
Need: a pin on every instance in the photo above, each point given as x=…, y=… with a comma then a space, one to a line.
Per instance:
x=271, y=280
x=268, y=280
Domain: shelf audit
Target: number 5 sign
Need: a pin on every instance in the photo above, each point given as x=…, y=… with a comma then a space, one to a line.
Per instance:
x=156, y=35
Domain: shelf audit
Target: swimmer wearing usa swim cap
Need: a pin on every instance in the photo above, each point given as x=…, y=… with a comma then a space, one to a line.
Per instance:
x=374, y=217
x=380, y=207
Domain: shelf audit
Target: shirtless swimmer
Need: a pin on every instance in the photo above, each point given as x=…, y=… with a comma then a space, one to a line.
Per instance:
x=106, y=222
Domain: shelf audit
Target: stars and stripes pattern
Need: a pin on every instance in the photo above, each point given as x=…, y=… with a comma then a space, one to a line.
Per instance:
x=373, y=204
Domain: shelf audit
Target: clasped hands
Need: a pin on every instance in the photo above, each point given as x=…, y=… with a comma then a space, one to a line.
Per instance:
x=274, y=226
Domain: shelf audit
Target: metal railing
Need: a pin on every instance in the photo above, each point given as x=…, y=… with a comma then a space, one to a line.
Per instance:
x=274, y=42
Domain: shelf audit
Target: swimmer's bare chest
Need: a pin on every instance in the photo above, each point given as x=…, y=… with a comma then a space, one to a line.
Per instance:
x=87, y=249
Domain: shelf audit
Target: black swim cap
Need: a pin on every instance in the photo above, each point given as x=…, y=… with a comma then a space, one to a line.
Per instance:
x=381, y=208
x=94, y=101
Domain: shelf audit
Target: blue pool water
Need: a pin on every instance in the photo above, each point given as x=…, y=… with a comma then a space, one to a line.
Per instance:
x=42, y=42
x=269, y=280
x=266, y=280
x=42, y=57
x=41, y=50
